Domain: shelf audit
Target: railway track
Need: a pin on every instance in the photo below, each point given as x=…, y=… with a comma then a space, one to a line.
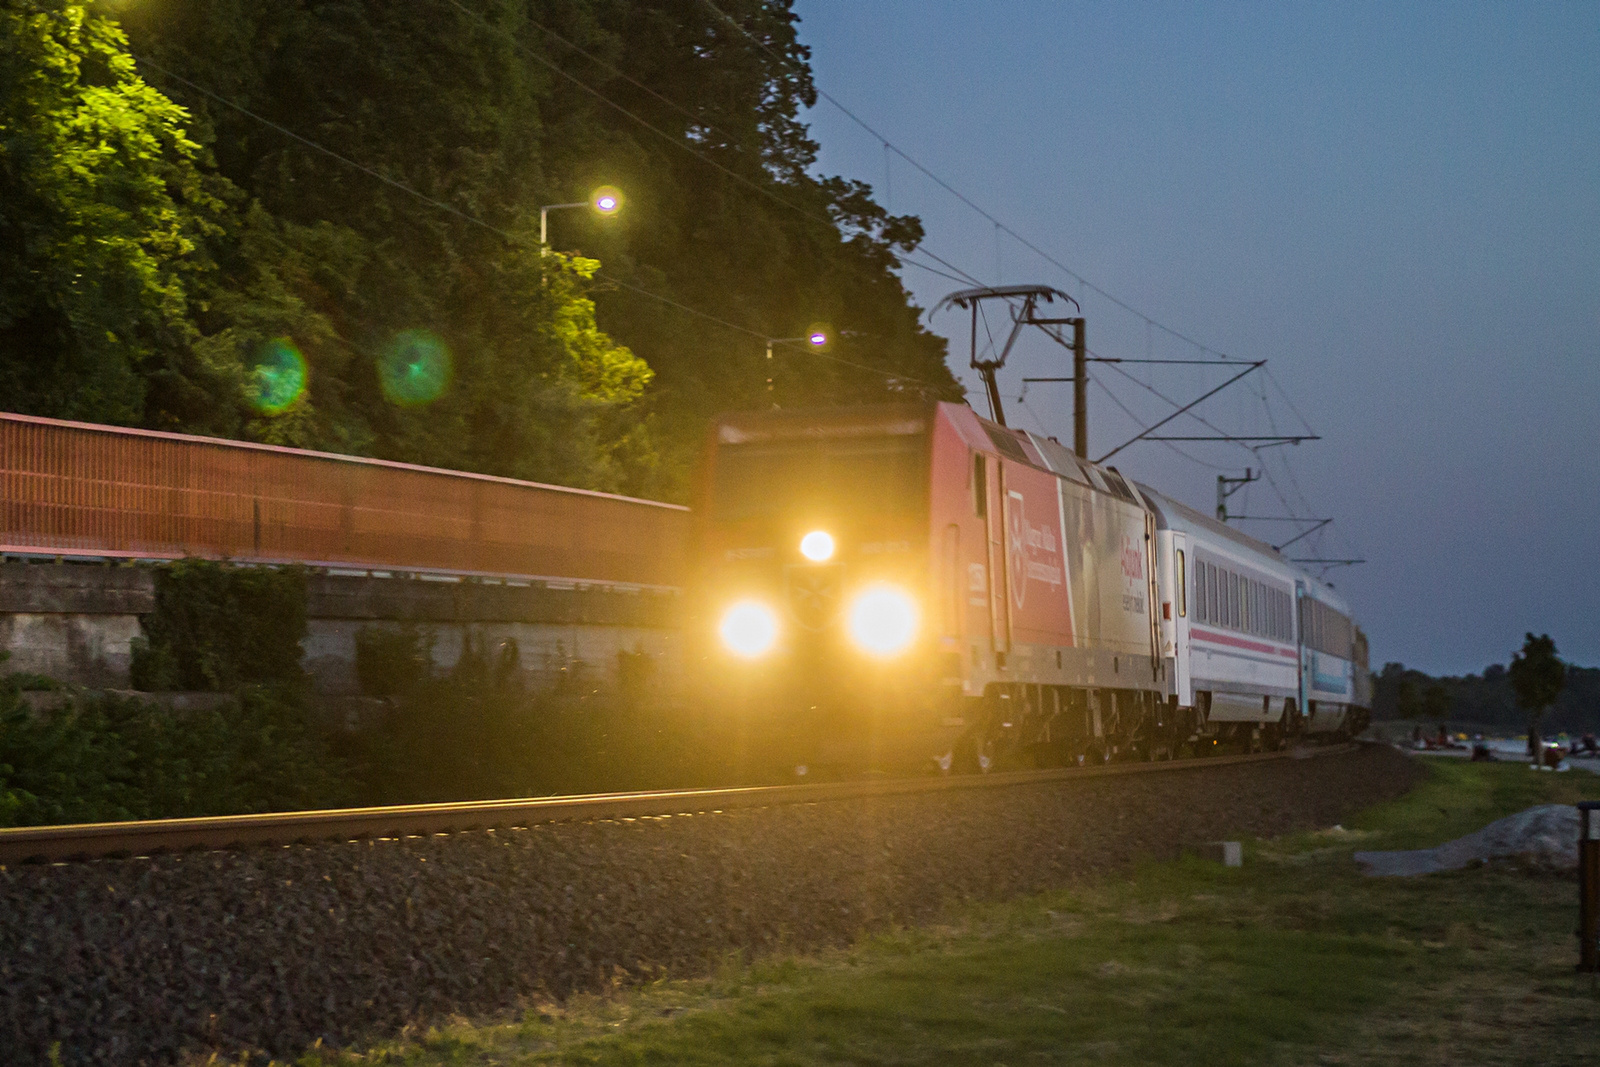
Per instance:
x=85, y=841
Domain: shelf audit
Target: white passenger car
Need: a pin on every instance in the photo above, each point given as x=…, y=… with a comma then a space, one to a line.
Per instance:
x=1251, y=641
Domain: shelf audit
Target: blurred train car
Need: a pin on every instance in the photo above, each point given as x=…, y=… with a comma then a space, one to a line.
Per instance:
x=878, y=587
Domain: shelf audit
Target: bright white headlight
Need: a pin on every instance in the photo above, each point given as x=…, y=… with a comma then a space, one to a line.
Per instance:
x=817, y=546
x=883, y=620
x=749, y=629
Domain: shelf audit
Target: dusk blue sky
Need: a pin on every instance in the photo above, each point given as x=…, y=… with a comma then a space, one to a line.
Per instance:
x=1396, y=204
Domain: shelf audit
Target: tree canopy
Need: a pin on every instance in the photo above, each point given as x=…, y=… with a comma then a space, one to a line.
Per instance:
x=1537, y=676
x=316, y=223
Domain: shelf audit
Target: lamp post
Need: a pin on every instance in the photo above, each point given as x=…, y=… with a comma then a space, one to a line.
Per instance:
x=816, y=339
x=605, y=201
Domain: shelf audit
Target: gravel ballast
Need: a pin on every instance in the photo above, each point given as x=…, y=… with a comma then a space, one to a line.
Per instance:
x=271, y=949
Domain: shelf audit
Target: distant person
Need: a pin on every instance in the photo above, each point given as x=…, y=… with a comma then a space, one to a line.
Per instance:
x=1535, y=743
x=1590, y=746
x=1416, y=736
x=1481, y=752
x=1443, y=740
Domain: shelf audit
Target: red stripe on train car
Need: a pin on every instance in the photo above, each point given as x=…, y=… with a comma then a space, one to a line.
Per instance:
x=1240, y=642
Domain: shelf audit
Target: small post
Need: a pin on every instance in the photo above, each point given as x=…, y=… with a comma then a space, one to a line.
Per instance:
x=1080, y=390
x=1588, y=886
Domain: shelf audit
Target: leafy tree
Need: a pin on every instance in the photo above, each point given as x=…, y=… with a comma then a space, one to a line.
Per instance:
x=1537, y=676
x=104, y=215
x=1436, y=702
x=183, y=257
x=1407, y=701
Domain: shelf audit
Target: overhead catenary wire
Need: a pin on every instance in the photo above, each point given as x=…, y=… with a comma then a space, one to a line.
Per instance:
x=1000, y=226
x=501, y=232
x=959, y=275
x=670, y=138
x=1083, y=282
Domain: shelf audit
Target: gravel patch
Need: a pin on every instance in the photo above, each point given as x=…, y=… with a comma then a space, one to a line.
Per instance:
x=1544, y=836
x=268, y=950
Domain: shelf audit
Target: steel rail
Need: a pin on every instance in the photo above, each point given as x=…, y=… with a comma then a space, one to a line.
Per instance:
x=83, y=841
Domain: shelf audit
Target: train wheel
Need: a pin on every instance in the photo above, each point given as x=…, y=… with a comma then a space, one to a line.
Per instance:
x=971, y=755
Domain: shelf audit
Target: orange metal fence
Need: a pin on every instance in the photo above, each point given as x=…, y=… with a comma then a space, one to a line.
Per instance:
x=77, y=489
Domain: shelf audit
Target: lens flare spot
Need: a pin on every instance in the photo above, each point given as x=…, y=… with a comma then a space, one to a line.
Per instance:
x=278, y=377
x=415, y=369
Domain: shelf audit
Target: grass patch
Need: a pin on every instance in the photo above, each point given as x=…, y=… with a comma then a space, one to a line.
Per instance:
x=1295, y=958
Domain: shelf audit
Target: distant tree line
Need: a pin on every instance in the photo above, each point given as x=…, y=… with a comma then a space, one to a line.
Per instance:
x=1556, y=695
x=176, y=251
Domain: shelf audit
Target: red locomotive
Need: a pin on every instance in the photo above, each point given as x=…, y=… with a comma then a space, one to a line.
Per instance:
x=890, y=586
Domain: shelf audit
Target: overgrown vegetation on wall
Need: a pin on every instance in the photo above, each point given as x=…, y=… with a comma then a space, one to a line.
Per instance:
x=232, y=631
x=479, y=730
x=216, y=628
x=103, y=757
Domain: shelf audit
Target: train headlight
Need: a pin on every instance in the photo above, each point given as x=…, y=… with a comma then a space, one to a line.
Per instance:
x=749, y=629
x=883, y=620
x=817, y=546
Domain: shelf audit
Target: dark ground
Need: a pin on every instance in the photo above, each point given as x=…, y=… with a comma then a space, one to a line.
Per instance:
x=146, y=959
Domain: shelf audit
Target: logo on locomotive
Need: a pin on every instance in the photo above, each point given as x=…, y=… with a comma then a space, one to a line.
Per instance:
x=1017, y=546
x=1132, y=575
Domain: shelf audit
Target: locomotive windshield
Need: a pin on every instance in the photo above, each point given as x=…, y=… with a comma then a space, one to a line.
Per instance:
x=846, y=476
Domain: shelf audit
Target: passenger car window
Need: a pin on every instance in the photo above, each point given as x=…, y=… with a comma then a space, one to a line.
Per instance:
x=980, y=486
x=1183, y=587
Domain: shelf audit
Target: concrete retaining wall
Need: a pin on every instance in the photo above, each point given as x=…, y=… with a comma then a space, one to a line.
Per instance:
x=77, y=622
x=567, y=636
x=73, y=622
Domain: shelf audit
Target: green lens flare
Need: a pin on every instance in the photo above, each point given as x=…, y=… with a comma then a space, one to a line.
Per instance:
x=278, y=377
x=415, y=369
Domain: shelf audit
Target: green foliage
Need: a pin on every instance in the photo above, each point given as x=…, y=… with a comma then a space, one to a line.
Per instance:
x=391, y=660
x=1484, y=701
x=159, y=247
x=108, y=758
x=480, y=730
x=104, y=214
x=1537, y=676
x=217, y=627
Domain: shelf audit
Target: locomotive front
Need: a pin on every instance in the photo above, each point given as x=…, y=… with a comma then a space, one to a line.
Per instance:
x=810, y=600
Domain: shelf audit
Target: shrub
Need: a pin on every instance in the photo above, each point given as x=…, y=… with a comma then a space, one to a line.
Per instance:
x=107, y=758
x=217, y=627
x=391, y=660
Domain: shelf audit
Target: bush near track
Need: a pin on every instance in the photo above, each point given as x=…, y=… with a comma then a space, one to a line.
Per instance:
x=102, y=758
x=476, y=731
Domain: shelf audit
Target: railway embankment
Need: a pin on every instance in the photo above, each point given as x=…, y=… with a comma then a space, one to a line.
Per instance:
x=272, y=949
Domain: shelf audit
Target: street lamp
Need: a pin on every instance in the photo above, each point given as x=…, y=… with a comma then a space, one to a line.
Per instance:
x=816, y=338
x=605, y=201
